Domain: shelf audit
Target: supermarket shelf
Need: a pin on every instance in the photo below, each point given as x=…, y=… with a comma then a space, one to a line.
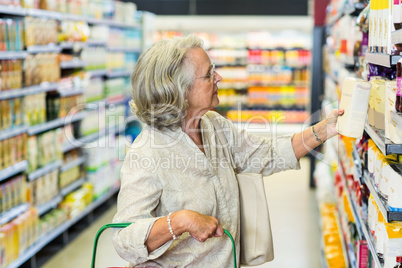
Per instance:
x=51, y=48
x=95, y=43
x=15, y=131
x=382, y=205
x=71, y=187
x=21, y=92
x=125, y=50
x=42, y=209
x=44, y=14
x=386, y=146
x=97, y=103
x=352, y=10
x=13, y=170
x=56, y=123
x=369, y=239
x=8, y=55
x=12, y=10
x=351, y=202
x=345, y=250
x=79, y=161
x=271, y=129
x=301, y=84
x=44, y=170
x=71, y=45
x=72, y=64
x=30, y=252
x=18, y=11
x=76, y=143
x=118, y=74
x=371, y=246
x=71, y=92
x=97, y=73
x=13, y=213
x=382, y=59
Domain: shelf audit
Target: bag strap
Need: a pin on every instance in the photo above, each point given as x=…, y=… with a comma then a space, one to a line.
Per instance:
x=221, y=137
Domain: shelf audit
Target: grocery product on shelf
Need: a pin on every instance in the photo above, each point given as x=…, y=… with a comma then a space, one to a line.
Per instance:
x=35, y=109
x=103, y=163
x=11, y=113
x=17, y=235
x=95, y=57
x=44, y=188
x=75, y=202
x=99, y=33
x=229, y=56
x=73, y=31
x=11, y=74
x=267, y=116
x=40, y=31
x=124, y=38
x=12, y=193
x=13, y=151
x=51, y=221
x=95, y=90
x=44, y=149
x=12, y=34
x=93, y=122
x=117, y=88
x=42, y=67
x=57, y=107
x=119, y=61
x=123, y=12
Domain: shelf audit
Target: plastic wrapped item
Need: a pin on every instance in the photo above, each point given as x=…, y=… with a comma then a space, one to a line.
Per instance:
x=74, y=31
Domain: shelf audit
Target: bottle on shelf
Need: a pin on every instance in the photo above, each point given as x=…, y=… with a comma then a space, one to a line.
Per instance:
x=398, y=262
x=398, y=104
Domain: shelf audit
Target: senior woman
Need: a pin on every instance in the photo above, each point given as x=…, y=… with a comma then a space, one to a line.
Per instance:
x=175, y=187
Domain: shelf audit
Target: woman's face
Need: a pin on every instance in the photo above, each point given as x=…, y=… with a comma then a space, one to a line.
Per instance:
x=204, y=93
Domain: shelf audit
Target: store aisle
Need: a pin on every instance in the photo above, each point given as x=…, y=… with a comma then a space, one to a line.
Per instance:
x=294, y=218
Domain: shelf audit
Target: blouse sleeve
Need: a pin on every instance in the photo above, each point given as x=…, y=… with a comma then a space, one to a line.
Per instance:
x=256, y=154
x=138, y=198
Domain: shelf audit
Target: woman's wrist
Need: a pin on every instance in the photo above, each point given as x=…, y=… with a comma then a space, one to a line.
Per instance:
x=178, y=222
x=320, y=130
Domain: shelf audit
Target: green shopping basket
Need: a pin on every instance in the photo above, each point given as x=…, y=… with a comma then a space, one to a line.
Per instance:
x=124, y=225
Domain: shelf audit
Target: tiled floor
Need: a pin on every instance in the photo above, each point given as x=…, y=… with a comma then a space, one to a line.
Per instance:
x=294, y=219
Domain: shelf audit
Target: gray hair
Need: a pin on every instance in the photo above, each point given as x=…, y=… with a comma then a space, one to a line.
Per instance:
x=161, y=80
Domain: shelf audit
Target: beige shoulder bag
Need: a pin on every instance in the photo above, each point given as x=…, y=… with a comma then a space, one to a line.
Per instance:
x=256, y=245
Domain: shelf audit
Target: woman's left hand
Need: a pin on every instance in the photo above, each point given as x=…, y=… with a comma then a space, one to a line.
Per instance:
x=330, y=122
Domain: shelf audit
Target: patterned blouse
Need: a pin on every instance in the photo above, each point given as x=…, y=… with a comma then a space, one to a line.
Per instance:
x=165, y=171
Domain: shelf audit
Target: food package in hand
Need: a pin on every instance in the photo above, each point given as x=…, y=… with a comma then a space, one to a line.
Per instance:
x=354, y=101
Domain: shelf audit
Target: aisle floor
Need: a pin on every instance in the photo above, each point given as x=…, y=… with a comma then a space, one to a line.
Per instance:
x=294, y=219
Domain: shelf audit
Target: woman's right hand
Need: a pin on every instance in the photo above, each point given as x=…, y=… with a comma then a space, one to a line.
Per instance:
x=201, y=227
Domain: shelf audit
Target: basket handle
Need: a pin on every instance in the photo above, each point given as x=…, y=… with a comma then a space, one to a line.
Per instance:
x=124, y=225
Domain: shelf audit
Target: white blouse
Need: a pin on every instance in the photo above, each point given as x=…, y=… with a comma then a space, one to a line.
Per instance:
x=165, y=171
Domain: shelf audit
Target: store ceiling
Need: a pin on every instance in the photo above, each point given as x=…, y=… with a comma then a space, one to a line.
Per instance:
x=224, y=7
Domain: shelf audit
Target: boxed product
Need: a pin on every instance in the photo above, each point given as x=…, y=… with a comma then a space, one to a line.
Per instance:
x=395, y=127
x=378, y=95
x=395, y=188
x=390, y=99
x=392, y=244
x=354, y=101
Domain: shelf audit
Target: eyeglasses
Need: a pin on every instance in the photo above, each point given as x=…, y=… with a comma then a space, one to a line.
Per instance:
x=211, y=74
